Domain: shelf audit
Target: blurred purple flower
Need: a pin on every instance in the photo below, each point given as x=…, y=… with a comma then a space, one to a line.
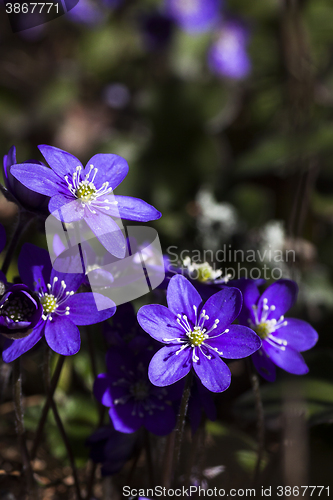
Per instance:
x=113, y=4
x=228, y=55
x=196, y=335
x=111, y=448
x=117, y=95
x=282, y=339
x=194, y=16
x=79, y=193
x=63, y=309
x=20, y=311
x=86, y=12
x=157, y=30
x=125, y=331
x=16, y=191
x=133, y=401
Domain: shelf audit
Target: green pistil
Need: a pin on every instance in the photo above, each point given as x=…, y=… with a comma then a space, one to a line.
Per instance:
x=140, y=390
x=49, y=303
x=204, y=273
x=263, y=330
x=85, y=191
x=197, y=336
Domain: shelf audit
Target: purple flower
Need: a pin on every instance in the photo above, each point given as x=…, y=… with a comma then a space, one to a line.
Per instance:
x=194, y=16
x=196, y=335
x=26, y=198
x=228, y=55
x=125, y=331
x=111, y=448
x=156, y=30
x=86, y=12
x=113, y=4
x=282, y=338
x=63, y=309
x=132, y=400
x=20, y=311
x=86, y=193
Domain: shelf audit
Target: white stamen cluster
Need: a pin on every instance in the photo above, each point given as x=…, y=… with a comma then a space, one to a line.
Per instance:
x=52, y=302
x=202, y=272
x=84, y=189
x=265, y=327
x=197, y=335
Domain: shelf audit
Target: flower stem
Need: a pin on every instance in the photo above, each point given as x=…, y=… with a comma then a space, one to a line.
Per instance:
x=179, y=431
x=101, y=408
x=59, y=422
x=19, y=419
x=91, y=480
x=24, y=220
x=68, y=448
x=47, y=405
x=149, y=459
x=260, y=425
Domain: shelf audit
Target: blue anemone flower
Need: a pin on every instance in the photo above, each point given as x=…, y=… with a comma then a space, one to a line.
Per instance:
x=17, y=192
x=282, y=338
x=79, y=193
x=20, y=311
x=111, y=448
x=133, y=401
x=196, y=335
x=63, y=309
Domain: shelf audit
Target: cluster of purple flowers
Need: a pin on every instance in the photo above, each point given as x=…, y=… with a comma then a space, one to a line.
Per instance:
x=227, y=56
x=145, y=374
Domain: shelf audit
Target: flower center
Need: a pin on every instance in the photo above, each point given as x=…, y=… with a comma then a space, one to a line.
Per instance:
x=264, y=329
x=86, y=191
x=49, y=303
x=197, y=336
x=140, y=390
x=17, y=309
x=53, y=300
x=202, y=272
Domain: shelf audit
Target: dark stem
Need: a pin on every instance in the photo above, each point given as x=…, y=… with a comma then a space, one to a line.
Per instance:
x=196, y=456
x=19, y=419
x=133, y=467
x=59, y=423
x=179, y=431
x=47, y=405
x=101, y=408
x=260, y=425
x=91, y=349
x=68, y=448
x=149, y=459
x=91, y=480
x=24, y=220
x=167, y=461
